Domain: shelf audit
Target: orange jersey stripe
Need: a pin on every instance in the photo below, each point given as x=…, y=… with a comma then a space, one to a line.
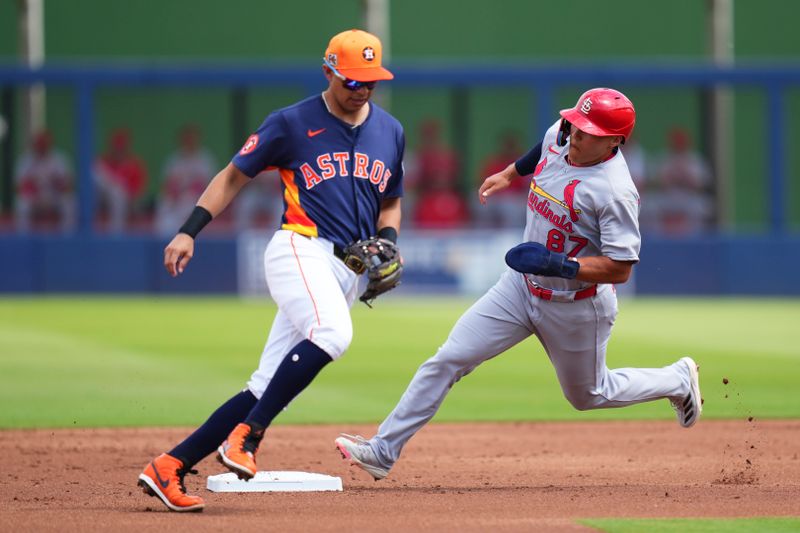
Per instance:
x=296, y=217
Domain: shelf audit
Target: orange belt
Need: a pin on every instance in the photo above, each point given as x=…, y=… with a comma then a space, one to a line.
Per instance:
x=560, y=296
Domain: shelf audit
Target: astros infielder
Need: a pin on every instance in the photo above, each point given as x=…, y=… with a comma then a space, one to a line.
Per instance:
x=581, y=236
x=339, y=158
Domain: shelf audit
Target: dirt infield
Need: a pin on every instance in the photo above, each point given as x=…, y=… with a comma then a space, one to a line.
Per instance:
x=465, y=477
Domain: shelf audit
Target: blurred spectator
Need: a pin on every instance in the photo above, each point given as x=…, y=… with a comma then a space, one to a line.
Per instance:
x=684, y=201
x=637, y=162
x=440, y=206
x=507, y=208
x=435, y=160
x=44, y=186
x=259, y=204
x=185, y=176
x=121, y=177
x=636, y=158
x=432, y=160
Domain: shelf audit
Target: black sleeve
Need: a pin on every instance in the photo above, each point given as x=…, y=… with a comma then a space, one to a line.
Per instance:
x=526, y=164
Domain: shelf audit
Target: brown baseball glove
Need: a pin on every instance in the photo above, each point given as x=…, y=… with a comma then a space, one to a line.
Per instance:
x=380, y=259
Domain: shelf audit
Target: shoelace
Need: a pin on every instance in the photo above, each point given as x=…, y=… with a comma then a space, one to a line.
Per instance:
x=181, y=474
x=355, y=438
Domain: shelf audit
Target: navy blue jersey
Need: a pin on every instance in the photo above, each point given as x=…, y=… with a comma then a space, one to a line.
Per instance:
x=334, y=176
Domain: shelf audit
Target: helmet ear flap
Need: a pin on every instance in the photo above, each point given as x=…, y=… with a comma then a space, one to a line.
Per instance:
x=563, y=132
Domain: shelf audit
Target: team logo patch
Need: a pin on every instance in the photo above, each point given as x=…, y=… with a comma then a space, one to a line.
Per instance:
x=368, y=53
x=545, y=206
x=333, y=59
x=587, y=106
x=249, y=145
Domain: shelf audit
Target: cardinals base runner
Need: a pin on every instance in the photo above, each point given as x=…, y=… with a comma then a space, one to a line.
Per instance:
x=581, y=237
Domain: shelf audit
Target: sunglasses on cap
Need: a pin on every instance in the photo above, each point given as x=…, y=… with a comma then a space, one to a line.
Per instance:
x=353, y=85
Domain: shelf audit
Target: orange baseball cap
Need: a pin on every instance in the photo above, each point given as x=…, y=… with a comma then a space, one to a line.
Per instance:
x=356, y=55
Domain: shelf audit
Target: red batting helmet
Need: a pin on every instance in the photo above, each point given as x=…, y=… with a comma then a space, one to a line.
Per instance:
x=602, y=112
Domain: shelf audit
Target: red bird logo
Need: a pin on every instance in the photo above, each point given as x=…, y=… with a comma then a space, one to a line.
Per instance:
x=540, y=167
x=569, y=199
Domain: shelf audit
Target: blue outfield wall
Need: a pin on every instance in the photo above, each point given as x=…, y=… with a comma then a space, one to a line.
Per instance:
x=47, y=264
x=758, y=265
x=740, y=265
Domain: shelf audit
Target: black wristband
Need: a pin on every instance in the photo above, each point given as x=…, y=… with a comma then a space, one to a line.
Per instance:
x=388, y=233
x=196, y=221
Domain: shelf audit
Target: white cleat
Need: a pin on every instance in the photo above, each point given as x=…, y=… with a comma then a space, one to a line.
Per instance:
x=358, y=451
x=690, y=406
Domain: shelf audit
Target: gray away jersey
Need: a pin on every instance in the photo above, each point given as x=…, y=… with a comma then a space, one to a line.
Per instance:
x=581, y=211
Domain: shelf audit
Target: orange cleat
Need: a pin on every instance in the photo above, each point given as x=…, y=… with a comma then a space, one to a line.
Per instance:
x=238, y=452
x=163, y=478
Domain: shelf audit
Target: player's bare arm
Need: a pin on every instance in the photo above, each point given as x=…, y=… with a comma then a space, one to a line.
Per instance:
x=601, y=269
x=390, y=214
x=535, y=258
x=497, y=182
x=222, y=189
x=523, y=166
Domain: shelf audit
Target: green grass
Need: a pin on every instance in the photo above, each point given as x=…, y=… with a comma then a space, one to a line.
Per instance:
x=107, y=361
x=697, y=525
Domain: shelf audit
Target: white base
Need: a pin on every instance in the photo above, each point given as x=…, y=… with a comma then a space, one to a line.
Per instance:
x=274, y=482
